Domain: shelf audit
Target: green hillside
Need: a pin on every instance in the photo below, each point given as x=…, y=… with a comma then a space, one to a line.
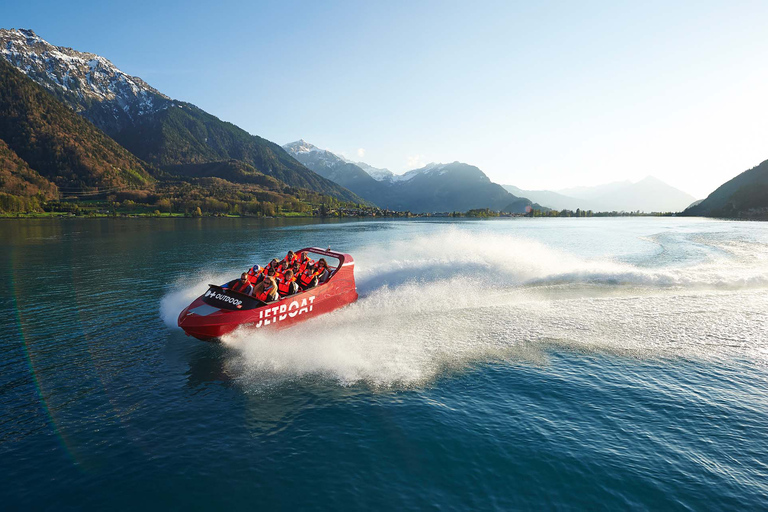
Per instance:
x=18, y=179
x=60, y=145
x=745, y=196
x=185, y=134
x=47, y=151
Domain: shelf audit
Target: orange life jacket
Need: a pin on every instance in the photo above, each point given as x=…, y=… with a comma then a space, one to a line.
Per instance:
x=264, y=295
x=306, y=278
x=284, y=287
x=319, y=273
x=253, y=277
x=303, y=264
x=289, y=261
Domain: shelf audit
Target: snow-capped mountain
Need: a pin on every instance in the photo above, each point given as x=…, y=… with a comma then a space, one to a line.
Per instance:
x=84, y=81
x=157, y=129
x=434, y=188
x=375, y=172
x=302, y=146
x=333, y=167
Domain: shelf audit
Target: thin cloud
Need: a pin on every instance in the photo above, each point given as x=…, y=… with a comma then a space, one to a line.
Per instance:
x=361, y=153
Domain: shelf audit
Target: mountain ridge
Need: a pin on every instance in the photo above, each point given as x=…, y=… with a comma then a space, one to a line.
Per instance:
x=744, y=196
x=433, y=188
x=647, y=195
x=157, y=129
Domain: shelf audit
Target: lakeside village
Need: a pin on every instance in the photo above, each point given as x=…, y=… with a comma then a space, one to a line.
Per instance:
x=100, y=209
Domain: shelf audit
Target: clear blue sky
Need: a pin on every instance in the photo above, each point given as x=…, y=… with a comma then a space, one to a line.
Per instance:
x=539, y=95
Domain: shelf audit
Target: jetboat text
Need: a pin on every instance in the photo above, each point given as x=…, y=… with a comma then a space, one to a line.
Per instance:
x=277, y=313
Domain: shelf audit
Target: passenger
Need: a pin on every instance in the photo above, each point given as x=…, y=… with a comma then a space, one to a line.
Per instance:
x=308, y=278
x=296, y=268
x=304, y=262
x=283, y=268
x=289, y=258
x=266, y=291
x=322, y=271
x=254, y=273
x=243, y=286
x=287, y=285
x=261, y=276
x=274, y=264
x=276, y=267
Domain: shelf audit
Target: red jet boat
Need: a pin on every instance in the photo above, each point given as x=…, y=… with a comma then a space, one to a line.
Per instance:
x=220, y=310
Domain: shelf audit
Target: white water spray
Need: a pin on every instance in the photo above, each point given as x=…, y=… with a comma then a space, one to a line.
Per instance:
x=445, y=301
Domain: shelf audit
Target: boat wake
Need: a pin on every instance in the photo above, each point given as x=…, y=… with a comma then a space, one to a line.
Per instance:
x=445, y=302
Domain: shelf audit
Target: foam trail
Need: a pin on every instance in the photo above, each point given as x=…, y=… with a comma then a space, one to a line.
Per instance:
x=506, y=261
x=414, y=334
x=446, y=301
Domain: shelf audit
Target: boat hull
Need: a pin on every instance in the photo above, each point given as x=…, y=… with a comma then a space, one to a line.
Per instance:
x=203, y=320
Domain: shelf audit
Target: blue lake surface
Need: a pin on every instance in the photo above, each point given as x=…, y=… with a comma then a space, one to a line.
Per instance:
x=570, y=364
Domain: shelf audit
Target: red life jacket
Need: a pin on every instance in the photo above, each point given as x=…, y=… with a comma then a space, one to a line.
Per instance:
x=289, y=261
x=306, y=278
x=239, y=286
x=323, y=271
x=284, y=287
x=253, y=277
x=265, y=295
x=303, y=264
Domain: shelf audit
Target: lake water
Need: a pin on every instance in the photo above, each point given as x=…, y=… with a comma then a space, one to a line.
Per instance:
x=500, y=364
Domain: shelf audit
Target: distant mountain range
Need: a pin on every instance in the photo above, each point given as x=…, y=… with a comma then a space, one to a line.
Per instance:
x=154, y=128
x=743, y=197
x=435, y=188
x=72, y=123
x=647, y=195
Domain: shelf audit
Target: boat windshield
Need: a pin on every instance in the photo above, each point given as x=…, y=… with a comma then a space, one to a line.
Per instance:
x=332, y=261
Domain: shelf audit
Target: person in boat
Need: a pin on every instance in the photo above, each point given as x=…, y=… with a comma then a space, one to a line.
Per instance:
x=286, y=285
x=308, y=278
x=243, y=285
x=290, y=258
x=274, y=264
x=261, y=276
x=266, y=291
x=254, y=274
x=304, y=262
x=277, y=270
x=322, y=271
x=281, y=270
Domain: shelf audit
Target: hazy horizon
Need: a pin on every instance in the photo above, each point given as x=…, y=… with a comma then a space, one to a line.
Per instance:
x=541, y=97
x=358, y=159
